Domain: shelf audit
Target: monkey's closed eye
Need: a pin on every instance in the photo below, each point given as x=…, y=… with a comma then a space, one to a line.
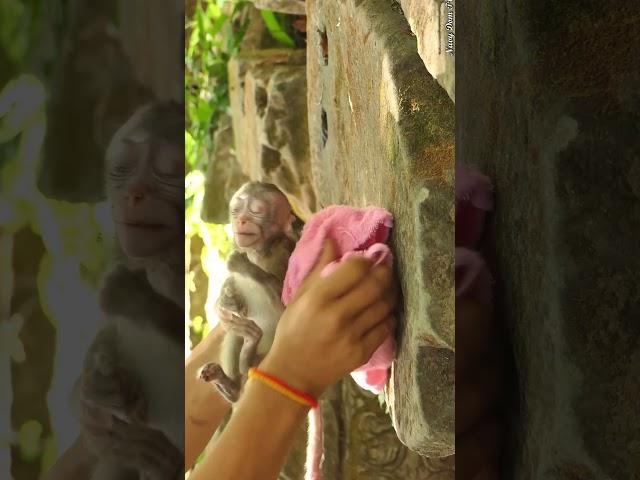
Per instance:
x=257, y=208
x=119, y=172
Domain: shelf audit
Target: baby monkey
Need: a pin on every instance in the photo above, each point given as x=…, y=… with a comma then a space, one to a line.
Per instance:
x=250, y=305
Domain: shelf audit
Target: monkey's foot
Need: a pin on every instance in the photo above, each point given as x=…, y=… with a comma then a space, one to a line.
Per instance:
x=213, y=373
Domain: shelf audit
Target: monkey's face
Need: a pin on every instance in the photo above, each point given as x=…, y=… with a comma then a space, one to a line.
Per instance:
x=145, y=183
x=257, y=215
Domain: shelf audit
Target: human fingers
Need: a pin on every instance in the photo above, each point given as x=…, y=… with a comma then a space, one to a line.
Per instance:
x=371, y=316
x=346, y=277
x=478, y=393
x=373, y=338
x=147, y=448
x=477, y=452
x=327, y=255
x=374, y=287
x=94, y=417
x=96, y=385
x=96, y=428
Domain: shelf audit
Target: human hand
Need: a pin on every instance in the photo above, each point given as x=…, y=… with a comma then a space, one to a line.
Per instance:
x=134, y=446
x=333, y=324
x=479, y=391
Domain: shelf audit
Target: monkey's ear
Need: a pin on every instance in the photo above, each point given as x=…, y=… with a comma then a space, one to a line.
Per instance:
x=295, y=225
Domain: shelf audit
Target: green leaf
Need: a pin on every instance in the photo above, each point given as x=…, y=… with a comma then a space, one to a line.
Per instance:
x=275, y=29
x=189, y=149
x=29, y=440
x=219, y=23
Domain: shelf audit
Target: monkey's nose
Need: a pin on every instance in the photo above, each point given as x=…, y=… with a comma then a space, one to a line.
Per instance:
x=134, y=198
x=136, y=193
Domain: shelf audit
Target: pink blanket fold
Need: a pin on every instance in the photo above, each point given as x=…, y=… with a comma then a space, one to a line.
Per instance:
x=354, y=231
x=473, y=201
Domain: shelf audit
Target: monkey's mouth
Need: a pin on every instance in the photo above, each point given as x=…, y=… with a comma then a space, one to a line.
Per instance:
x=246, y=239
x=144, y=225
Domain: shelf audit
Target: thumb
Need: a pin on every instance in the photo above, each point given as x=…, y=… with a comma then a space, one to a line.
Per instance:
x=327, y=255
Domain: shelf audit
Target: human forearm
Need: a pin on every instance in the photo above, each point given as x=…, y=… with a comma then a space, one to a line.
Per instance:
x=264, y=423
x=200, y=429
x=76, y=462
x=204, y=407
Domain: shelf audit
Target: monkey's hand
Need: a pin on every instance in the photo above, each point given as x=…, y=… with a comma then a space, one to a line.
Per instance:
x=238, y=262
x=110, y=387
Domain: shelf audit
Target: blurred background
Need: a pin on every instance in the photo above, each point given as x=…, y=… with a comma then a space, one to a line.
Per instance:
x=71, y=72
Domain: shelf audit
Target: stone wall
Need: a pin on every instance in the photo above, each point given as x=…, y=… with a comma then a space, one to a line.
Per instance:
x=433, y=24
x=268, y=91
x=381, y=133
x=556, y=127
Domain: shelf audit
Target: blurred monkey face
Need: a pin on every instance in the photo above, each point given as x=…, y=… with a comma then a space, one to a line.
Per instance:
x=145, y=183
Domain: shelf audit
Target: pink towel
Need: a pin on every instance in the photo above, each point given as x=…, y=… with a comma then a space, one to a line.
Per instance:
x=473, y=200
x=354, y=231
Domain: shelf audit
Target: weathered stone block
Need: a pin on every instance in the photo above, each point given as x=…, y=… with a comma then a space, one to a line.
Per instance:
x=360, y=442
x=433, y=24
x=382, y=133
x=268, y=90
x=556, y=127
x=257, y=36
x=224, y=175
x=292, y=7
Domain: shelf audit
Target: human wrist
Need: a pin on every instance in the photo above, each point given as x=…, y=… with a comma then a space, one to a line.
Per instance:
x=292, y=375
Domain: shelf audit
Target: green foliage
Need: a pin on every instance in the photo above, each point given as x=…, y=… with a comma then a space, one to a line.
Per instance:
x=18, y=25
x=383, y=402
x=214, y=35
x=274, y=24
x=29, y=440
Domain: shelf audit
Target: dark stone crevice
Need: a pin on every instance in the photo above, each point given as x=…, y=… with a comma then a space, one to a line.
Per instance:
x=325, y=128
x=324, y=46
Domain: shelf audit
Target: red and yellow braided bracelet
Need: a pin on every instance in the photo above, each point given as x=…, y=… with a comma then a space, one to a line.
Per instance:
x=280, y=386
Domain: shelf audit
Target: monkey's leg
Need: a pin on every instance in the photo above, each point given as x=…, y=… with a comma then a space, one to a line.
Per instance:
x=228, y=388
x=251, y=333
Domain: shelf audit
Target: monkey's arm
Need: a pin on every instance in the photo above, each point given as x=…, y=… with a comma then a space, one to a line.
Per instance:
x=129, y=294
x=204, y=407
